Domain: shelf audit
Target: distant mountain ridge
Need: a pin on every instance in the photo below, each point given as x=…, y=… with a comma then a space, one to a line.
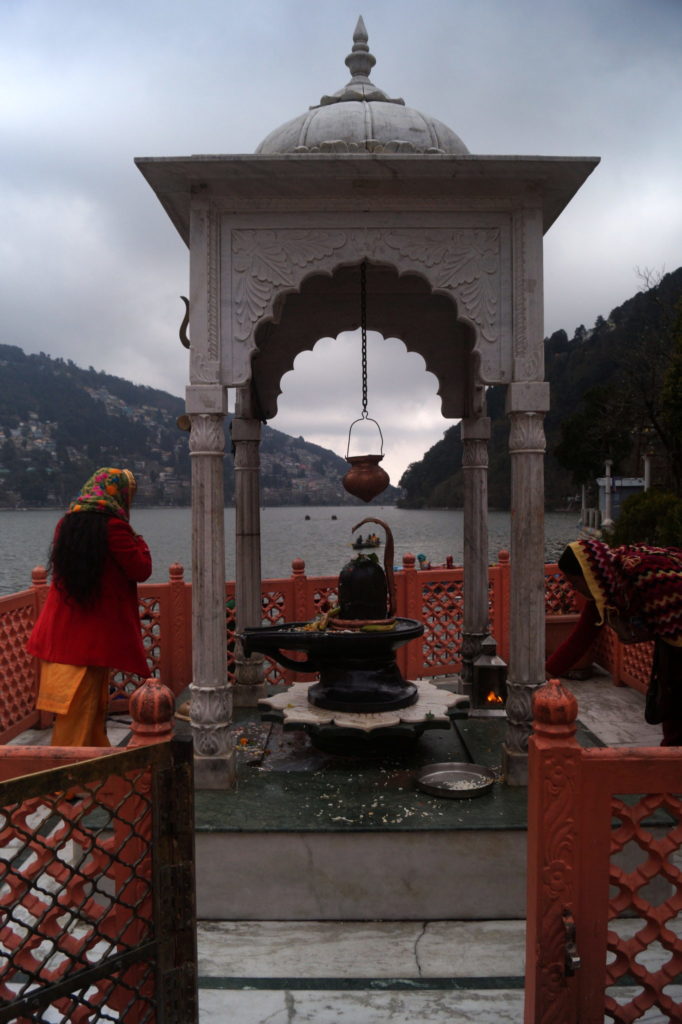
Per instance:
x=60, y=422
x=600, y=357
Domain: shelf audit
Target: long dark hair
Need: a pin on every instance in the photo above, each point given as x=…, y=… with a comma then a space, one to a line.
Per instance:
x=77, y=555
x=569, y=564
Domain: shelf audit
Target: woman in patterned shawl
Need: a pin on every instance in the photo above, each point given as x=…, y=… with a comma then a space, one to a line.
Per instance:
x=90, y=621
x=637, y=591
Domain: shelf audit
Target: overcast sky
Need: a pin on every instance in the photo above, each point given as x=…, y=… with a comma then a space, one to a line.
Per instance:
x=91, y=267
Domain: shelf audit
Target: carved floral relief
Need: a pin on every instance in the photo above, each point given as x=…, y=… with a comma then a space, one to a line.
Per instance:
x=464, y=262
x=264, y=262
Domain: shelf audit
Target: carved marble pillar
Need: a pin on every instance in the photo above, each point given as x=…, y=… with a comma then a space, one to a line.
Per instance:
x=211, y=698
x=246, y=431
x=526, y=404
x=475, y=437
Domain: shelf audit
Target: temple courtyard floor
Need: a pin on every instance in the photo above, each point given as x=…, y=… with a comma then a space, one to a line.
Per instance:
x=296, y=922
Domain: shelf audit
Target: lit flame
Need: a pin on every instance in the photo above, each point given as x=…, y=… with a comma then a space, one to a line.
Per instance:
x=493, y=698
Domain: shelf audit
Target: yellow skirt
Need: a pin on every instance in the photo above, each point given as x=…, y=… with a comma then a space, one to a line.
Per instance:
x=79, y=696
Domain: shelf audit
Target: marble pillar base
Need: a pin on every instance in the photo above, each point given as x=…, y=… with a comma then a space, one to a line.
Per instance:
x=218, y=772
x=514, y=766
x=247, y=695
x=248, y=687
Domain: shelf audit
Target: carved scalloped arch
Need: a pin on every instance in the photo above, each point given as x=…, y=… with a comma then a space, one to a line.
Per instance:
x=399, y=305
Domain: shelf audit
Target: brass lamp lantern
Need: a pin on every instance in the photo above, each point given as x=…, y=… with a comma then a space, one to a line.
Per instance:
x=365, y=479
x=489, y=682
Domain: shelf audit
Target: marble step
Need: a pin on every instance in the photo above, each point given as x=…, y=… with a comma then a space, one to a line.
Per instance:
x=361, y=973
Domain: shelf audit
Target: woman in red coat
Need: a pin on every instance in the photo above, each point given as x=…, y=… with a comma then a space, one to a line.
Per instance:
x=90, y=621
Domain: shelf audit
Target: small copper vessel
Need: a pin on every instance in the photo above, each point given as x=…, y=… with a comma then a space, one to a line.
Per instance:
x=365, y=478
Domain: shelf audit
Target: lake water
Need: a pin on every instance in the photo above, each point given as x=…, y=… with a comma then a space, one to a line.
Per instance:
x=322, y=541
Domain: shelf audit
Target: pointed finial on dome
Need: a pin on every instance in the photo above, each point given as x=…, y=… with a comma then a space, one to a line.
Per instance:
x=360, y=62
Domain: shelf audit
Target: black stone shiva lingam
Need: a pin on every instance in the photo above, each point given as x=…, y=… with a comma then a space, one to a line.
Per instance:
x=353, y=647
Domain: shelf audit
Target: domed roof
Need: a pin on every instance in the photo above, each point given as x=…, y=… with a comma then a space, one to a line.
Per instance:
x=362, y=118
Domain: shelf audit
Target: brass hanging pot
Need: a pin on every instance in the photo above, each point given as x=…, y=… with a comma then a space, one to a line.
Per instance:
x=365, y=478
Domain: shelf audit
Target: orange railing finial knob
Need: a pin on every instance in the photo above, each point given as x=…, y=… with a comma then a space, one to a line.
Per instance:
x=555, y=710
x=152, y=707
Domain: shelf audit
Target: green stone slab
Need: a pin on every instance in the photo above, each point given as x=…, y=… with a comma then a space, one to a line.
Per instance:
x=296, y=787
x=482, y=984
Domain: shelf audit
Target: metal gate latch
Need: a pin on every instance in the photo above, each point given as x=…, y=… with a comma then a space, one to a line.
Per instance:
x=571, y=955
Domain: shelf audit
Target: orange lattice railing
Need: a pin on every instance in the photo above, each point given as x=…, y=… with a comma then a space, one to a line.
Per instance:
x=604, y=857
x=433, y=596
x=644, y=939
x=87, y=851
x=18, y=672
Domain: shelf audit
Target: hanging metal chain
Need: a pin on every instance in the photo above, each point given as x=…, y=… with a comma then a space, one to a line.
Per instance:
x=363, y=326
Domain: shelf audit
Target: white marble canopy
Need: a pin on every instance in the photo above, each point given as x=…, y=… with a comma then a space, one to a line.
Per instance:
x=453, y=245
x=453, y=239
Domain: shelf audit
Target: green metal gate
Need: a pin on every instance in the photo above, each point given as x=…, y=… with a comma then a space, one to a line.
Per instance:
x=97, y=902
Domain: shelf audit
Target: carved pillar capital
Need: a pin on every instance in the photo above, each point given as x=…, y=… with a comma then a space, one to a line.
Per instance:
x=474, y=454
x=527, y=433
x=206, y=436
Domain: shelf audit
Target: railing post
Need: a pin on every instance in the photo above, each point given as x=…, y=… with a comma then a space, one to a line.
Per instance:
x=300, y=611
x=176, y=633
x=40, y=588
x=553, y=784
x=39, y=585
x=411, y=656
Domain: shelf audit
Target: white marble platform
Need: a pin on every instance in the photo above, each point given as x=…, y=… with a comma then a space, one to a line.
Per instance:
x=432, y=705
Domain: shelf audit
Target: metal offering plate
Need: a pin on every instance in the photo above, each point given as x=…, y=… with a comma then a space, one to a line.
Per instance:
x=456, y=780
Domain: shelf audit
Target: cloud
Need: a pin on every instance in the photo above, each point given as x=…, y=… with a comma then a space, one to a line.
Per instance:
x=92, y=268
x=322, y=397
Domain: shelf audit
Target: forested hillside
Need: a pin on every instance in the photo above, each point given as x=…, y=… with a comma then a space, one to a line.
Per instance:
x=616, y=392
x=59, y=422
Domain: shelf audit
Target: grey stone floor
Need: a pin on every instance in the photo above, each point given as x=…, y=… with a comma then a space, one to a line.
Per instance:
x=118, y=730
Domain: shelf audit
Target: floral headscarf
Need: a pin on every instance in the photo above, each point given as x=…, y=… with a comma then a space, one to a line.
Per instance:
x=596, y=563
x=110, y=491
x=638, y=581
